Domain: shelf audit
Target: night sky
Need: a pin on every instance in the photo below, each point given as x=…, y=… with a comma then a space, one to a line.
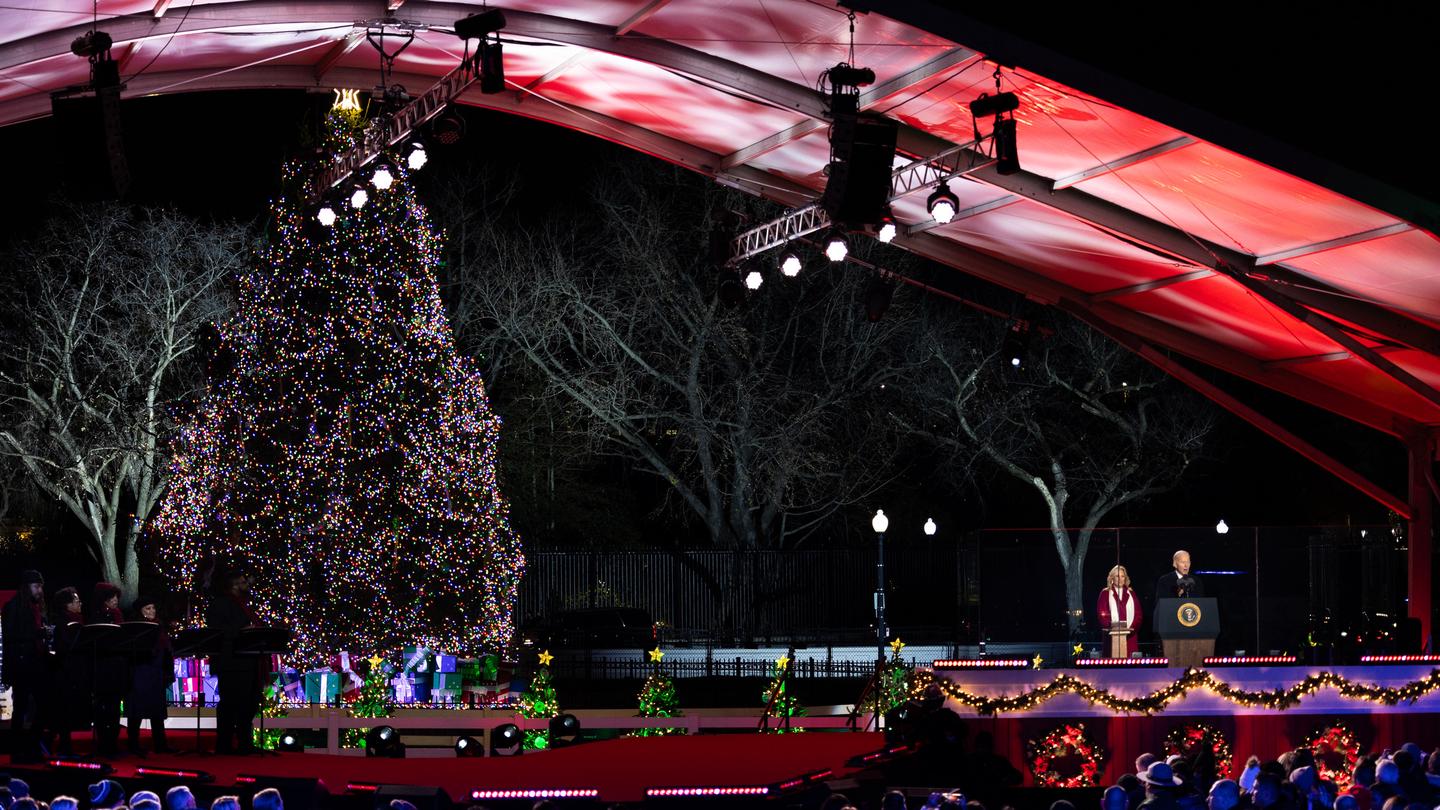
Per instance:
x=1352, y=90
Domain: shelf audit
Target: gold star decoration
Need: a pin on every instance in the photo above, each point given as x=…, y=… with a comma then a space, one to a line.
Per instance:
x=546, y=658
x=656, y=655
x=1037, y=660
x=896, y=646
x=782, y=662
x=375, y=662
x=1079, y=648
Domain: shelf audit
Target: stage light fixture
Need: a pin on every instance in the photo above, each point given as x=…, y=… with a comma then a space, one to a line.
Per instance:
x=492, y=68
x=505, y=740
x=987, y=105
x=790, y=264
x=289, y=743
x=326, y=215
x=837, y=247
x=448, y=129
x=415, y=161
x=1007, y=148
x=359, y=198
x=943, y=204
x=753, y=280
x=887, y=231
x=382, y=178
x=477, y=26
x=384, y=741
x=930, y=527
x=1016, y=344
x=469, y=747
x=564, y=730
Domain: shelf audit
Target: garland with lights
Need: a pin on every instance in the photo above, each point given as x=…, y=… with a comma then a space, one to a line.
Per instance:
x=1065, y=741
x=1274, y=699
x=1335, y=739
x=1186, y=738
x=341, y=445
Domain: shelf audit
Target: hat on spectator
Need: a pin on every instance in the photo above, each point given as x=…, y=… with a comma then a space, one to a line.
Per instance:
x=106, y=793
x=1160, y=775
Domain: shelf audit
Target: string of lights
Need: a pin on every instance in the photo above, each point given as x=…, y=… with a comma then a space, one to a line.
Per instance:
x=342, y=447
x=1193, y=679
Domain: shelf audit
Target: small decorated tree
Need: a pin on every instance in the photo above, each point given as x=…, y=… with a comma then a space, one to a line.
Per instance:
x=538, y=701
x=373, y=701
x=657, y=699
x=271, y=706
x=780, y=705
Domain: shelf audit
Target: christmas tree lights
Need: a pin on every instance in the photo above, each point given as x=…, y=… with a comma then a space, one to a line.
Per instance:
x=342, y=449
x=657, y=698
x=539, y=701
x=780, y=705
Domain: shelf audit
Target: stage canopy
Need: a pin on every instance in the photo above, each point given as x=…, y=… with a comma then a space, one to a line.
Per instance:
x=1174, y=232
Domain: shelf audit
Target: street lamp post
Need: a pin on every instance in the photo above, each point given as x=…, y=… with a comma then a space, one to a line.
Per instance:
x=879, y=523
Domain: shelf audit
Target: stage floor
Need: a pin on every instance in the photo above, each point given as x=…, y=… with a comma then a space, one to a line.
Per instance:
x=619, y=769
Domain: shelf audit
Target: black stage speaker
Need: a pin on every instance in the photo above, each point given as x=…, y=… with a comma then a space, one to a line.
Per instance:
x=858, y=189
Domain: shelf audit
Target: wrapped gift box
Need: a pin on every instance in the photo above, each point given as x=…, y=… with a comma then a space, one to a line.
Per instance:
x=445, y=663
x=446, y=680
x=416, y=659
x=322, y=686
x=444, y=697
x=407, y=689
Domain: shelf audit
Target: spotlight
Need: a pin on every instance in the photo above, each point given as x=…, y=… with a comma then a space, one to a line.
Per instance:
x=359, y=198
x=837, y=247
x=505, y=740
x=382, y=178
x=448, y=129
x=326, y=215
x=887, y=231
x=290, y=743
x=987, y=105
x=564, y=730
x=476, y=26
x=469, y=747
x=1016, y=344
x=417, y=157
x=943, y=204
x=790, y=264
x=384, y=741
x=1223, y=528
x=1015, y=361
x=91, y=44
x=753, y=280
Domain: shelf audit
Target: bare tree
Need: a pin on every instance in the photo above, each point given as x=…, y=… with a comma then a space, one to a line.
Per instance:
x=99, y=341
x=1082, y=421
x=763, y=420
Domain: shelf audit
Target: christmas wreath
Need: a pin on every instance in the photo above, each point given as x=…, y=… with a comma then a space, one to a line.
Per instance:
x=1187, y=738
x=1336, y=753
x=1065, y=742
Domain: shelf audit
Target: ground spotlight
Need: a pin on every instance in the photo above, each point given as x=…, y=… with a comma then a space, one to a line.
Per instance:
x=943, y=204
x=887, y=230
x=790, y=264
x=359, y=198
x=753, y=279
x=564, y=730
x=417, y=157
x=837, y=247
x=326, y=215
x=469, y=747
x=384, y=741
x=382, y=178
x=290, y=743
x=505, y=740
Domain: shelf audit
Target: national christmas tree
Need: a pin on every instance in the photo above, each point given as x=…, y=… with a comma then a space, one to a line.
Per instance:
x=341, y=448
x=539, y=701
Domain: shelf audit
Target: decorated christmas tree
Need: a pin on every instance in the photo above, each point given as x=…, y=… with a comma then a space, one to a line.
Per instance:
x=341, y=448
x=895, y=682
x=780, y=705
x=657, y=699
x=539, y=701
x=271, y=706
x=373, y=701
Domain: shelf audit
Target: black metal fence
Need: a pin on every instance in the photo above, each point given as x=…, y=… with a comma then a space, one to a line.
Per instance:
x=716, y=667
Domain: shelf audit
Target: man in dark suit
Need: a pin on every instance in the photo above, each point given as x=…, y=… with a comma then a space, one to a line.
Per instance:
x=1178, y=581
x=240, y=682
x=26, y=660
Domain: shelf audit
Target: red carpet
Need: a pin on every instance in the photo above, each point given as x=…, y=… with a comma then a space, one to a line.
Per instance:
x=620, y=769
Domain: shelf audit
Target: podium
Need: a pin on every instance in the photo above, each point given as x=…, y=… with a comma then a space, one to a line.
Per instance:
x=1119, y=641
x=1187, y=629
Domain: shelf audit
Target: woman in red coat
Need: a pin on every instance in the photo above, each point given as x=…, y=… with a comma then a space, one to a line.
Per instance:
x=1118, y=606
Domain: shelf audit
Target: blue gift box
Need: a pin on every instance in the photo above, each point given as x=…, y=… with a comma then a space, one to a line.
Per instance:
x=445, y=663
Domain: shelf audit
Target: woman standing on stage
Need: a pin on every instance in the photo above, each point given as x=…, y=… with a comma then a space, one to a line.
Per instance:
x=150, y=684
x=1118, y=607
x=70, y=693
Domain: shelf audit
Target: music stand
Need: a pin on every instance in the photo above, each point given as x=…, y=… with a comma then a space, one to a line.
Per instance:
x=254, y=642
x=197, y=642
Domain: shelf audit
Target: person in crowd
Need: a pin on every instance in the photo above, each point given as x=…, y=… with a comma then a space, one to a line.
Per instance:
x=1387, y=781
x=267, y=799
x=19, y=789
x=68, y=699
x=225, y=803
x=1118, y=607
x=27, y=803
x=1249, y=774
x=1061, y=804
x=240, y=680
x=106, y=794
x=1133, y=787
x=65, y=803
x=984, y=773
x=179, y=798
x=892, y=800
x=1160, y=787
x=150, y=679
x=144, y=796
x=6, y=797
x=111, y=675
x=26, y=636
x=1345, y=801
x=144, y=804
x=1115, y=798
x=1223, y=795
x=1412, y=782
x=1143, y=761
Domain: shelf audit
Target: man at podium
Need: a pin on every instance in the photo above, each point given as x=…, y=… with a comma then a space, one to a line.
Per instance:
x=1185, y=619
x=1178, y=582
